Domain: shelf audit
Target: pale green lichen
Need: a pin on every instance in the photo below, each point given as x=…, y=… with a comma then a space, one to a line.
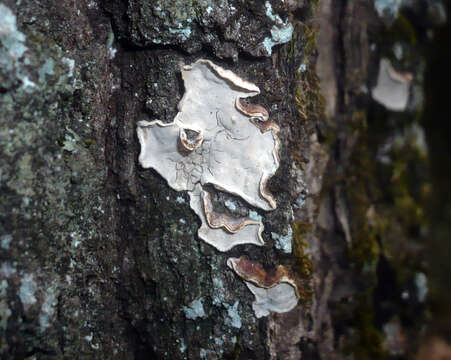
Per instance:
x=270, y=13
x=230, y=205
x=422, y=286
x=388, y=8
x=283, y=242
x=5, y=311
x=46, y=69
x=194, y=310
x=48, y=307
x=27, y=291
x=5, y=241
x=6, y=270
x=203, y=354
x=281, y=32
x=71, y=65
x=254, y=215
x=12, y=40
x=233, y=316
x=182, y=346
x=183, y=33
x=279, y=35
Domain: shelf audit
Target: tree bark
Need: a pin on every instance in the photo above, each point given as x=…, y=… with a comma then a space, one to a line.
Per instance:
x=100, y=257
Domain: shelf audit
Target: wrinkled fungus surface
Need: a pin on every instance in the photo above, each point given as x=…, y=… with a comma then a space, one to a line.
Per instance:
x=219, y=139
x=274, y=291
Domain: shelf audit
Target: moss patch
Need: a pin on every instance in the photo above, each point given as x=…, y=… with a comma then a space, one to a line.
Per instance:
x=303, y=264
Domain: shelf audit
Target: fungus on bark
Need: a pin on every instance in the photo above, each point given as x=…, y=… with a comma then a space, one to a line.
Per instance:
x=392, y=88
x=221, y=231
x=216, y=138
x=274, y=291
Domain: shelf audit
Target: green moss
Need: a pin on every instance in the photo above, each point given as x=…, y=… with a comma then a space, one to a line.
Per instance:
x=385, y=202
x=404, y=28
x=369, y=340
x=197, y=10
x=89, y=142
x=364, y=251
x=310, y=104
x=308, y=97
x=401, y=32
x=303, y=264
x=360, y=188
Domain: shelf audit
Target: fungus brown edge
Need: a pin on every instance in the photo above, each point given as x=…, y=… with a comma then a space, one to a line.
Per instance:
x=401, y=77
x=184, y=139
x=252, y=110
x=227, y=75
x=253, y=272
x=216, y=221
x=265, y=178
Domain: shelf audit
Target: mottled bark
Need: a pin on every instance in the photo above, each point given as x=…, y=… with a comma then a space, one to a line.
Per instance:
x=101, y=259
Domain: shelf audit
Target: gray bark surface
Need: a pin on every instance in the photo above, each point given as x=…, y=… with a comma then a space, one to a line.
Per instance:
x=99, y=257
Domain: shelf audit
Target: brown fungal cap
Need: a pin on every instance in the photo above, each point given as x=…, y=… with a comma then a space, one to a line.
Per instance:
x=254, y=272
x=252, y=110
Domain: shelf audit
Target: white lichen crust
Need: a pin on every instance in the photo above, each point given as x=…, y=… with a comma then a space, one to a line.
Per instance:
x=216, y=138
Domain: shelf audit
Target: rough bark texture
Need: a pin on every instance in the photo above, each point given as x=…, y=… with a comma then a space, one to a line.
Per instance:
x=99, y=257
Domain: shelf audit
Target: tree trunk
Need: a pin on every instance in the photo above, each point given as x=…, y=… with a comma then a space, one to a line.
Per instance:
x=101, y=258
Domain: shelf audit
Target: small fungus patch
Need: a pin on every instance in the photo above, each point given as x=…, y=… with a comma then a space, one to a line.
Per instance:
x=392, y=88
x=274, y=291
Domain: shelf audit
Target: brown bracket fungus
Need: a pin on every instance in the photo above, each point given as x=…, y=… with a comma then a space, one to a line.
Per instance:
x=274, y=291
x=216, y=138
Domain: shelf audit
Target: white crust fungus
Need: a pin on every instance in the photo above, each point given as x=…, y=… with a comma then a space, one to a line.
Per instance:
x=216, y=138
x=280, y=298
